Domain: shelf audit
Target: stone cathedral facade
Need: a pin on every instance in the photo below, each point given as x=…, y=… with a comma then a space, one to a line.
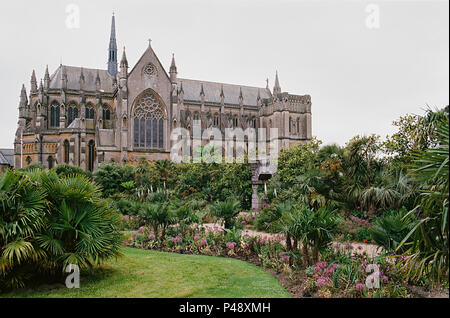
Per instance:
x=83, y=116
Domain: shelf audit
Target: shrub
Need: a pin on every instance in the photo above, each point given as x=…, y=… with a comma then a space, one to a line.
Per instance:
x=391, y=228
x=226, y=211
x=110, y=177
x=68, y=170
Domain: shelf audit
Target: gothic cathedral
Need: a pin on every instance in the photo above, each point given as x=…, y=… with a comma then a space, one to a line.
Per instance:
x=83, y=117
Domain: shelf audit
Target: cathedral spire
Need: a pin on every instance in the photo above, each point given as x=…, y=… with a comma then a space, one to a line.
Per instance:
x=23, y=97
x=173, y=69
x=81, y=80
x=112, y=57
x=276, y=87
x=46, y=78
x=33, y=82
x=124, y=65
x=97, y=81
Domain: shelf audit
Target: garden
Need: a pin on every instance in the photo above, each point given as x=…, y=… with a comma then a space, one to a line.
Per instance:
x=368, y=219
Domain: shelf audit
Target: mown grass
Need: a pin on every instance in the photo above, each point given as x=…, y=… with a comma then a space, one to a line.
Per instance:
x=143, y=273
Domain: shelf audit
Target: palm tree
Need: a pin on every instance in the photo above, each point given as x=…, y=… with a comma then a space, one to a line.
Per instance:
x=429, y=253
x=81, y=228
x=163, y=167
x=227, y=211
x=283, y=224
x=22, y=215
x=158, y=216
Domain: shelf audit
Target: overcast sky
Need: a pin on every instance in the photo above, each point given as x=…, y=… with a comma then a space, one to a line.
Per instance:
x=362, y=73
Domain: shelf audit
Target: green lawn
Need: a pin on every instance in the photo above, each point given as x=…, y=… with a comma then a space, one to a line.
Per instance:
x=143, y=273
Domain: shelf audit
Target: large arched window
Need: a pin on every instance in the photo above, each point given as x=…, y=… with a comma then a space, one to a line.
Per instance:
x=91, y=155
x=89, y=112
x=148, y=122
x=54, y=115
x=72, y=113
x=66, y=151
x=106, y=115
x=50, y=162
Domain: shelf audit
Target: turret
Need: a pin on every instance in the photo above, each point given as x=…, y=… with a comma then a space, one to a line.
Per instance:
x=46, y=79
x=173, y=70
x=123, y=65
x=276, y=87
x=23, y=98
x=33, y=83
x=81, y=80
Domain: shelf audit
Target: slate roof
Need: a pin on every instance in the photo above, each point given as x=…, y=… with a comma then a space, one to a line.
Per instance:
x=212, y=90
x=73, y=79
x=7, y=157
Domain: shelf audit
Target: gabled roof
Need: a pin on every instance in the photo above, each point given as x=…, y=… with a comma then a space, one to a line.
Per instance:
x=212, y=90
x=73, y=79
x=7, y=157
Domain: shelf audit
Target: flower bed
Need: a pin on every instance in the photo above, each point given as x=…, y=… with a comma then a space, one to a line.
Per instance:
x=342, y=271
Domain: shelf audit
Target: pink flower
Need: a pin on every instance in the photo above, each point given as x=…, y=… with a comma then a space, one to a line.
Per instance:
x=203, y=242
x=141, y=229
x=285, y=258
x=231, y=245
x=321, y=264
x=253, y=217
x=151, y=236
x=323, y=281
x=359, y=287
x=317, y=270
x=133, y=235
x=197, y=237
x=243, y=223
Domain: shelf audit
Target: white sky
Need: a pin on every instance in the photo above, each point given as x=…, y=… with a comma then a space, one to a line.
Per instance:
x=360, y=79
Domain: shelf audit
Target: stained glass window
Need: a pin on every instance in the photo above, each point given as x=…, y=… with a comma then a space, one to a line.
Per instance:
x=149, y=122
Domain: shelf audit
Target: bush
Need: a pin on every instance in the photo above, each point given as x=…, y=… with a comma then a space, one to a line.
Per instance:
x=68, y=170
x=48, y=221
x=391, y=228
x=110, y=177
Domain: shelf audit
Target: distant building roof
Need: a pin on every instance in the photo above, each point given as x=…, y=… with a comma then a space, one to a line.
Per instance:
x=7, y=157
x=212, y=91
x=73, y=78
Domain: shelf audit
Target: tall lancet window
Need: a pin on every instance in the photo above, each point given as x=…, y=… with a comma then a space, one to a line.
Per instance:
x=72, y=113
x=54, y=115
x=149, y=120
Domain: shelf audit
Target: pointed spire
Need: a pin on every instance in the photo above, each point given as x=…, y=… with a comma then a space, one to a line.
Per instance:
x=221, y=91
x=202, y=91
x=276, y=87
x=259, y=95
x=97, y=81
x=23, y=97
x=41, y=87
x=267, y=84
x=173, y=69
x=46, y=78
x=123, y=66
x=33, y=82
x=240, y=93
x=124, y=61
x=181, y=88
x=81, y=80
x=112, y=58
